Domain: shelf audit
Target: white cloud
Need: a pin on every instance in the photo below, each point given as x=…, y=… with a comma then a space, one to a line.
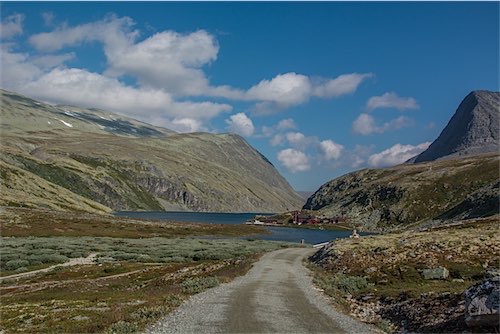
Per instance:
x=285, y=90
x=185, y=125
x=114, y=32
x=365, y=124
x=11, y=25
x=291, y=89
x=277, y=140
x=241, y=124
x=397, y=154
x=286, y=124
x=294, y=160
x=330, y=149
x=391, y=100
x=168, y=60
x=299, y=140
x=16, y=68
x=342, y=85
x=83, y=88
x=174, y=62
x=36, y=77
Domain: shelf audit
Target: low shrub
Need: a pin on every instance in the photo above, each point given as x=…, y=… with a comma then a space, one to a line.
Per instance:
x=16, y=264
x=346, y=283
x=199, y=284
x=122, y=327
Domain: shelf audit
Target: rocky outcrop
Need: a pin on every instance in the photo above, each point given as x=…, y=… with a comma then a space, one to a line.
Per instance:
x=473, y=129
x=124, y=164
x=482, y=304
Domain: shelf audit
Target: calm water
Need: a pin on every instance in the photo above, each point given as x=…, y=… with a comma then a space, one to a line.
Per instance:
x=277, y=233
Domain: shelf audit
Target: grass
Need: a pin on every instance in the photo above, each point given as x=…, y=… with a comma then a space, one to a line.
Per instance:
x=136, y=282
x=23, y=252
x=143, y=269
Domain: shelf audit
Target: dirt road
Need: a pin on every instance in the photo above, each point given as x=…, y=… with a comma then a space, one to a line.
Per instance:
x=72, y=262
x=276, y=296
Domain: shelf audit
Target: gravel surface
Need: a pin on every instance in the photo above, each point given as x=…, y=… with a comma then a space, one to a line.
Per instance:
x=275, y=296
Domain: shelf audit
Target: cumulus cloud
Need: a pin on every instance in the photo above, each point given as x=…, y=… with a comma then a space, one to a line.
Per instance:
x=277, y=140
x=87, y=89
x=168, y=60
x=12, y=25
x=294, y=160
x=241, y=124
x=16, y=68
x=365, y=124
x=114, y=32
x=185, y=125
x=397, y=154
x=330, y=149
x=300, y=141
x=391, y=100
x=286, y=124
x=37, y=77
x=342, y=85
x=291, y=89
x=285, y=90
x=166, y=69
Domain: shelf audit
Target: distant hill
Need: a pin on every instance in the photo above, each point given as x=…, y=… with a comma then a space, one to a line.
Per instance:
x=71, y=158
x=473, y=129
x=457, y=177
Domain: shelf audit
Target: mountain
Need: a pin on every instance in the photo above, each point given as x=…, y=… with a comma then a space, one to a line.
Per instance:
x=473, y=129
x=412, y=194
x=71, y=158
x=457, y=177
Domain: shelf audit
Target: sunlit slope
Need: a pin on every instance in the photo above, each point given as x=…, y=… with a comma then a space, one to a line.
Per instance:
x=130, y=165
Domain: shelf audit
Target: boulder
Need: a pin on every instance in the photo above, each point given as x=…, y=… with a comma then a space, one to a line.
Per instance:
x=436, y=273
x=482, y=307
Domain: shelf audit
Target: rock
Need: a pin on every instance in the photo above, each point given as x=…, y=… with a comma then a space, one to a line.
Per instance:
x=491, y=273
x=482, y=306
x=436, y=273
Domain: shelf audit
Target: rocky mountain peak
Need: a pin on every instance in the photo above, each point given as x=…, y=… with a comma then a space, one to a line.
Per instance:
x=473, y=129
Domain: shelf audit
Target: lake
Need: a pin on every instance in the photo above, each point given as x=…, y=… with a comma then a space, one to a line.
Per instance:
x=289, y=234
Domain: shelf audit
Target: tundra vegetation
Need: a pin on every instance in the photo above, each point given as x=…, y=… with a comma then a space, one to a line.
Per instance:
x=411, y=281
x=142, y=270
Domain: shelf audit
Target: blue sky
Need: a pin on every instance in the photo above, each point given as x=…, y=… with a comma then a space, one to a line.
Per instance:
x=320, y=88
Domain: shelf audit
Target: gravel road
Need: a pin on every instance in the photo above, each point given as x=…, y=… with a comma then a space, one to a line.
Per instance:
x=275, y=296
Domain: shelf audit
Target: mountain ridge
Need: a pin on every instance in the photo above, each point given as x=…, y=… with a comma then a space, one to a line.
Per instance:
x=117, y=164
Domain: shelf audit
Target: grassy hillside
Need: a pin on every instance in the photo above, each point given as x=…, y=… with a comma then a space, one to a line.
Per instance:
x=77, y=159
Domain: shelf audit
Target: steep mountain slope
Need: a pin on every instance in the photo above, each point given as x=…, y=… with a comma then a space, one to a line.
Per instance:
x=408, y=195
x=108, y=162
x=473, y=129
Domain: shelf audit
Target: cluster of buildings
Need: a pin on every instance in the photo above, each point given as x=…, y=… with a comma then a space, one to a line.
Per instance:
x=298, y=218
